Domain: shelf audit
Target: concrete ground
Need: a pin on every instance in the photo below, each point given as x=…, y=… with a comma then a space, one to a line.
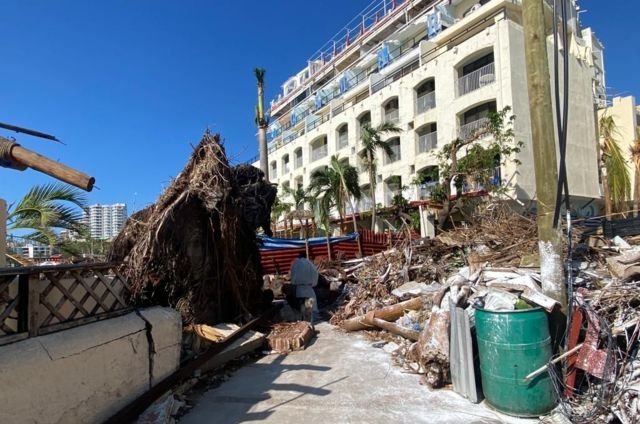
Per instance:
x=340, y=378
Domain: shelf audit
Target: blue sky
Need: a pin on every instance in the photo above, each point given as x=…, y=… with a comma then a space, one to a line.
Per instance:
x=130, y=85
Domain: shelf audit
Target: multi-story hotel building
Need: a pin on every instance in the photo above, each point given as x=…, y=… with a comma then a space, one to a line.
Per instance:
x=436, y=69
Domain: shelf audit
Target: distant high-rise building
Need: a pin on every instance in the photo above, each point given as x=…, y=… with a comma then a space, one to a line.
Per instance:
x=105, y=221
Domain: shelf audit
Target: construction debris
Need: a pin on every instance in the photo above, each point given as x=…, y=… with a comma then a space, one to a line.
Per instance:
x=195, y=248
x=290, y=336
x=404, y=296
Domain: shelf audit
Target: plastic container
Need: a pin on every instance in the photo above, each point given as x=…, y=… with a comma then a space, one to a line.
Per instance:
x=511, y=345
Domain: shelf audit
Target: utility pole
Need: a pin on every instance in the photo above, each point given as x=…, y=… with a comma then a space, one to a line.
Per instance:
x=544, y=150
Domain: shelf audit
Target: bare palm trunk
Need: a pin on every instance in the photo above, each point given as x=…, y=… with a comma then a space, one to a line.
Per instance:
x=372, y=186
x=264, y=160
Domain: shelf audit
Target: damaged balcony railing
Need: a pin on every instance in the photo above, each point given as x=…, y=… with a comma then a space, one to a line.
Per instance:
x=42, y=299
x=473, y=129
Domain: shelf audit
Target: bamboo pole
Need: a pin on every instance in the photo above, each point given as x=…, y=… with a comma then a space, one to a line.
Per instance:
x=13, y=152
x=544, y=150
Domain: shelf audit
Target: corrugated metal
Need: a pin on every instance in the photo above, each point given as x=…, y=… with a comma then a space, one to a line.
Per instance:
x=463, y=373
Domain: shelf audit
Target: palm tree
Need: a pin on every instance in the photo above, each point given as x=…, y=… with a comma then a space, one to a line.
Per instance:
x=321, y=207
x=635, y=157
x=615, y=175
x=340, y=183
x=47, y=208
x=262, y=122
x=300, y=196
x=372, y=141
x=277, y=210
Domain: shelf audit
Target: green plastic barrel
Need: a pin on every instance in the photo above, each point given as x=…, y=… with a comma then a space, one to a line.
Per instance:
x=511, y=345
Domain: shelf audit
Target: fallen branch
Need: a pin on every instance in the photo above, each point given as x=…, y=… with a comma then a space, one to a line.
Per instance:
x=388, y=313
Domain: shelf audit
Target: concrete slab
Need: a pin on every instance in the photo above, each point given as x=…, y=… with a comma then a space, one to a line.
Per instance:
x=340, y=378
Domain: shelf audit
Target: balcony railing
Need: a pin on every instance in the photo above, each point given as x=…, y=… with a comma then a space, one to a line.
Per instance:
x=273, y=173
x=285, y=168
x=427, y=142
x=392, y=117
x=318, y=153
x=476, y=79
x=394, y=157
x=343, y=141
x=424, y=190
x=297, y=162
x=389, y=195
x=474, y=129
x=426, y=102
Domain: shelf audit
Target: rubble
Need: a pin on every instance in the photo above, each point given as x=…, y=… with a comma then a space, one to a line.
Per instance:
x=408, y=290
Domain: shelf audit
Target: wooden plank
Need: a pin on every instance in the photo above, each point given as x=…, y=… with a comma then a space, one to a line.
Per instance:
x=111, y=289
x=9, y=309
x=55, y=268
x=90, y=291
x=11, y=338
x=103, y=298
x=66, y=294
x=82, y=321
x=34, y=307
x=124, y=281
x=54, y=313
x=23, y=303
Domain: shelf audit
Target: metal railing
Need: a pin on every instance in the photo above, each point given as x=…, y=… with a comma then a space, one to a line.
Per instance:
x=426, y=102
x=425, y=190
x=406, y=70
x=343, y=141
x=392, y=117
x=297, y=162
x=319, y=153
x=427, y=142
x=273, y=172
x=395, y=148
x=318, y=121
x=476, y=79
x=473, y=129
x=285, y=168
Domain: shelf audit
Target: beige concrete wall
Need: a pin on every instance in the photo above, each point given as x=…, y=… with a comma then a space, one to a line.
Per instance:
x=85, y=374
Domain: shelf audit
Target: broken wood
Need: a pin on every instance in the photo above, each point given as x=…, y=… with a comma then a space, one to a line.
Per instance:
x=392, y=328
x=388, y=313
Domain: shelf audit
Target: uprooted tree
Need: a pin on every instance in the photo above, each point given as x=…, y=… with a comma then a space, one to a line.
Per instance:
x=473, y=160
x=195, y=248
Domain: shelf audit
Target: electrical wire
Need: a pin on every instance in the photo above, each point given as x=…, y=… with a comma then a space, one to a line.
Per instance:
x=562, y=109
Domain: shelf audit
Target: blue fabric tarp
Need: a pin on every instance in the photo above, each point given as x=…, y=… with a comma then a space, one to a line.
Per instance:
x=270, y=243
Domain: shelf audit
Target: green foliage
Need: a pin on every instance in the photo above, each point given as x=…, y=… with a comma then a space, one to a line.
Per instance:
x=46, y=209
x=615, y=164
x=333, y=187
x=479, y=160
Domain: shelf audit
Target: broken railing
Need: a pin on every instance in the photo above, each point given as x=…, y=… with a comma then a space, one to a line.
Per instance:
x=42, y=299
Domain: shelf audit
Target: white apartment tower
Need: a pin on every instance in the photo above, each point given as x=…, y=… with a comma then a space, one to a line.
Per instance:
x=105, y=221
x=435, y=68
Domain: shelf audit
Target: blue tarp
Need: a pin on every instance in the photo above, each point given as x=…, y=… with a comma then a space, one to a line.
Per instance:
x=384, y=58
x=270, y=243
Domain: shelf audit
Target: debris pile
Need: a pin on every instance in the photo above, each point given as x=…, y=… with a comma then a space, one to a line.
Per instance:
x=406, y=297
x=195, y=248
